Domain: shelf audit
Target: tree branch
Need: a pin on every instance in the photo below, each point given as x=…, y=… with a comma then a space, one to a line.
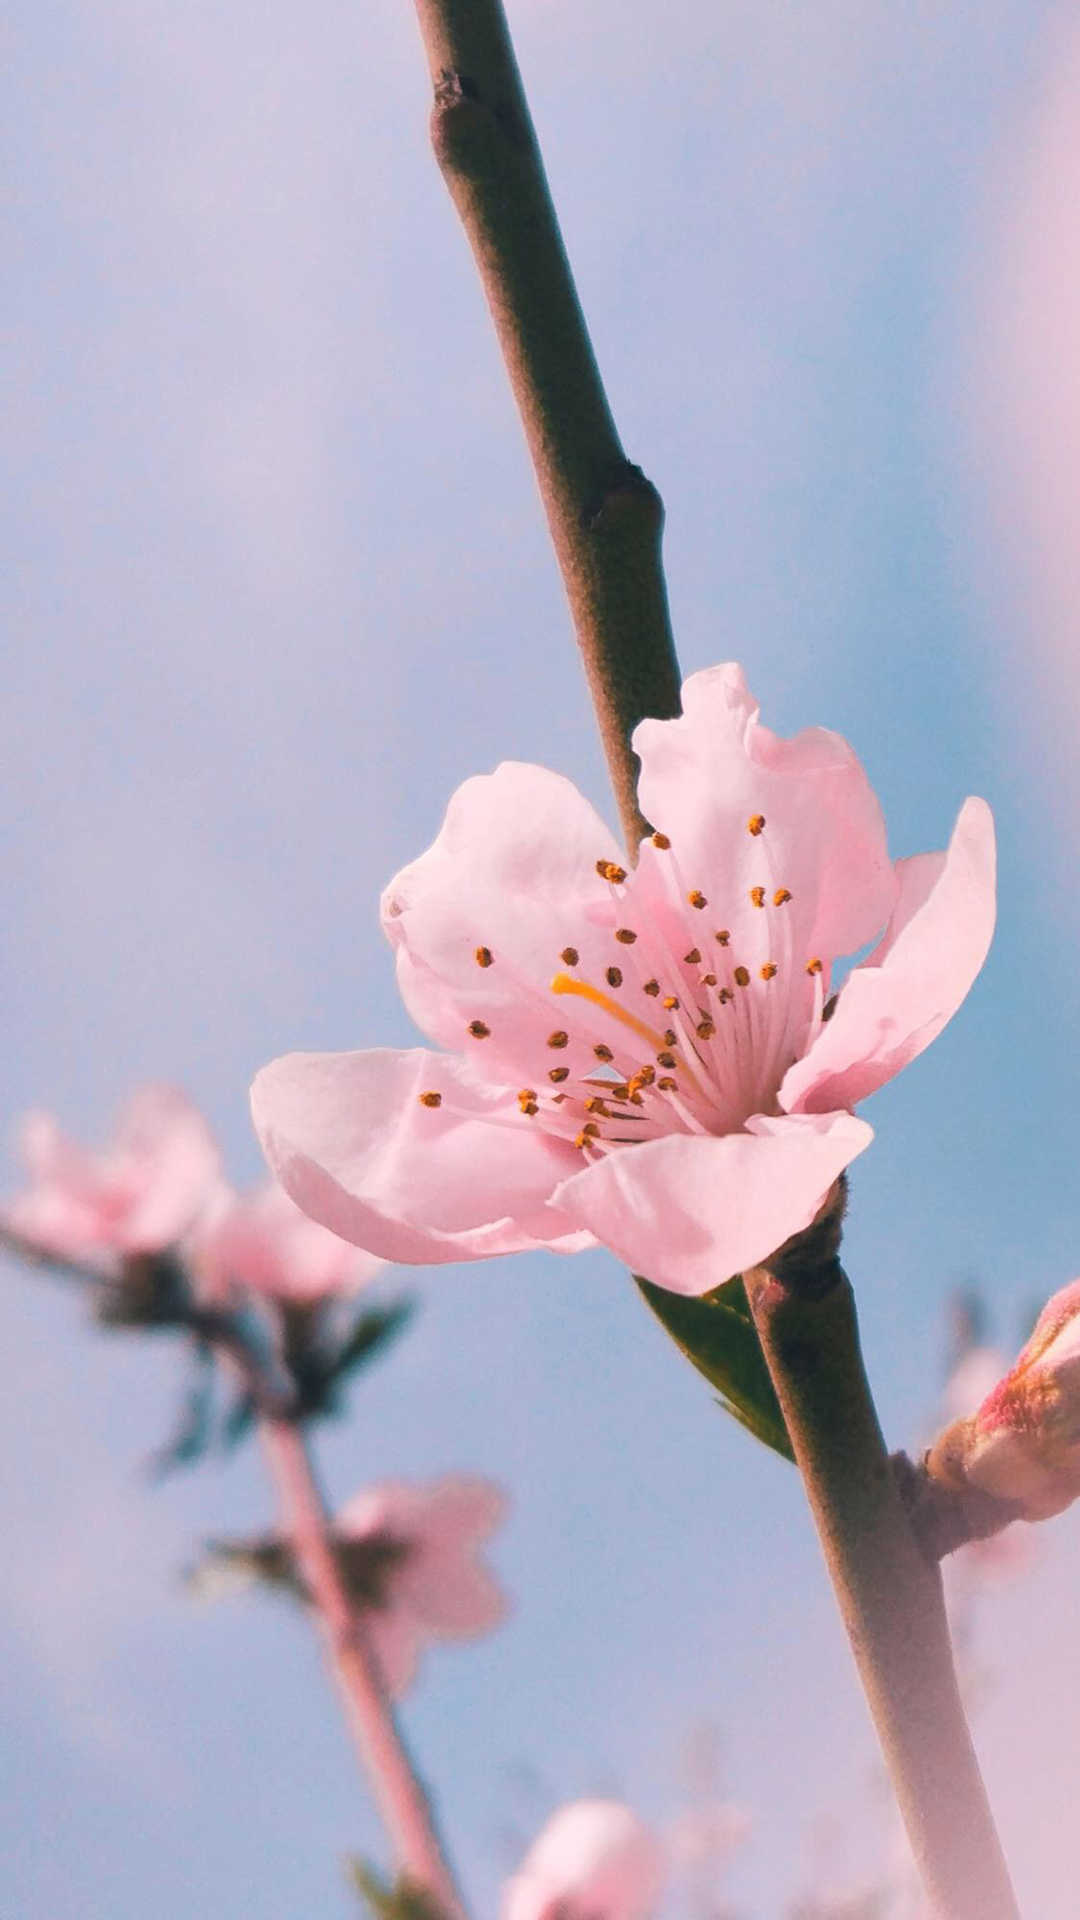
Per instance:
x=605, y=517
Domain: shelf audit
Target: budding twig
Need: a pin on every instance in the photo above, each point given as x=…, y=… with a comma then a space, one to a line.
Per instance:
x=605, y=517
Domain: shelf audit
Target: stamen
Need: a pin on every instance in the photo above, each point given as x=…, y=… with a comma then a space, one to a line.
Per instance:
x=671, y=1003
x=667, y=1059
x=756, y=824
x=610, y=870
x=671, y=1038
x=697, y=898
x=430, y=1099
x=742, y=977
x=813, y=966
x=667, y=1085
x=707, y=980
x=569, y=956
x=626, y=935
x=725, y=994
x=560, y=1038
x=652, y=988
x=484, y=956
x=768, y=971
x=563, y=983
x=723, y=937
x=661, y=840
x=596, y=1104
x=693, y=958
x=705, y=1029
x=527, y=1099
x=479, y=1029
x=781, y=896
x=558, y=1074
x=613, y=976
x=646, y=1075
x=757, y=895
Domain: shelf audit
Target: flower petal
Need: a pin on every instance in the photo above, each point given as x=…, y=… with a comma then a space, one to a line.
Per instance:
x=705, y=776
x=480, y=921
x=348, y=1137
x=894, y=1005
x=688, y=1211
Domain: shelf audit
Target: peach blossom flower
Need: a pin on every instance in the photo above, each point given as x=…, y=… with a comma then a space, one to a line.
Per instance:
x=1023, y=1443
x=264, y=1242
x=143, y=1193
x=435, y=1585
x=595, y=1860
x=651, y=1059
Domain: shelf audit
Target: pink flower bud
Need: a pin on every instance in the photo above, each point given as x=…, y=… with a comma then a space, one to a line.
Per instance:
x=595, y=1860
x=1023, y=1443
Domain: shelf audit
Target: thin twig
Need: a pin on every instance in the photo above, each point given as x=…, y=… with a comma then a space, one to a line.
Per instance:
x=605, y=517
x=397, y=1788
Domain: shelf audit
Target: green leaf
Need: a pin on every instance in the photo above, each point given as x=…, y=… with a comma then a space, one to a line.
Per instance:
x=371, y=1331
x=718, y=1336
x=402, y=1900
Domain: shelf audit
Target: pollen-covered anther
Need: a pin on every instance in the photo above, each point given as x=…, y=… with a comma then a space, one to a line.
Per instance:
x=583, y=1139
x=723, y=936
x=569, y=956
x=666, y=1060
x=479, y=1029
x=671, y=1002
x=813, y=966
x=611, y=870
x=613, y=976
x=692, y=959
x=596, y=1104
x=768, y=971
x=558, y=1074
x=757, y=896
x=667, y=1085
x=697, y=898
x=661, y=840
x=705, y=1029
x=670, y=1037
x=781, y=896
x=742, y=977
x=560, y=1038
x=430, y=1099
x=603, y=1053
x=527, y=1099
x=625, y=935
x=652, y=988
x=591, y=1130
x=756, y=824
x=484, y=957
x=646, y=1075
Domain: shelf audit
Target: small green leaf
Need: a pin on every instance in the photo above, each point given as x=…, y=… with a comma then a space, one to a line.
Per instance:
x=718, y=1336
x=401, y=1900
x=374, y=1327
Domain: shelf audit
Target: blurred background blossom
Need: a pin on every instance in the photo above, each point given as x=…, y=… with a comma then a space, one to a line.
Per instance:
x=278, y=581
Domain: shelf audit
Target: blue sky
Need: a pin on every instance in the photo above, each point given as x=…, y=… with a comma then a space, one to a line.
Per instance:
x=279, y=580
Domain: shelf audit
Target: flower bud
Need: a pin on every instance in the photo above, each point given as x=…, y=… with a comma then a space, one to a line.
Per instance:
x=1022, y=1446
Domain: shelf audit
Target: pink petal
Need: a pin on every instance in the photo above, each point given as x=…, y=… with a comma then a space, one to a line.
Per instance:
x=513, y=875
x=167, y=1140
x=898, y=1002
x=704, y=776
x=347, y=1136
x=690, y=1210
x=263, y=1241
x=594, y=1860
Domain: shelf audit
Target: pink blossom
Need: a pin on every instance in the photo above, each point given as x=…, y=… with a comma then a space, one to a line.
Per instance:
x=595, y=1860
x=1023, y=1442
x=438, y=1587
x=684, y=1008
x=263, y=1241
x=141, y=1194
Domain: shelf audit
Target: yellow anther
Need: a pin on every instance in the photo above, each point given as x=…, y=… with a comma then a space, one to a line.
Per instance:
x=652, y=988
x=742, y=978
x=613, y=976
x=560, y=1038
x=526, y=1098
x=697, y=898
x=768, y=971
x=693, y=958
x=757, y=895
x=582, y=1139
x=569, y=956
x=479, y=1029
x=781, y=896
x=530, y=1107
x=671, y=1003
x=723, y=936
x=558, y=1074
x=756, y=824
x=610, y=870
x=564, y=983
x=484, y=956
x=596, y=1104
x=813, y=966
x=430, y=1099
x=661, y=840
x=626, y=935
x=646, y=1075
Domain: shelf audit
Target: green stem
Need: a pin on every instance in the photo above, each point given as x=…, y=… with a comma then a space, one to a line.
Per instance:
x=605, y=517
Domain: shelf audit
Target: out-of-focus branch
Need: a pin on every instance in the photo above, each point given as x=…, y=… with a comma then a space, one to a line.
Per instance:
x=397, y=1788
x=605, y=517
